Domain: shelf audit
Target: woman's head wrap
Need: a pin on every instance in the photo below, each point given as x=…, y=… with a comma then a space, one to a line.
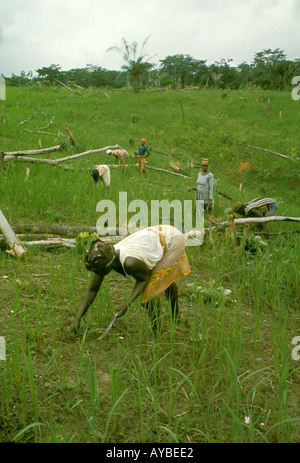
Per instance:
x=98, y=256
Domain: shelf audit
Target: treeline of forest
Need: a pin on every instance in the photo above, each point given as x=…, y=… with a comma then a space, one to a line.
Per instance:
x=270, y=70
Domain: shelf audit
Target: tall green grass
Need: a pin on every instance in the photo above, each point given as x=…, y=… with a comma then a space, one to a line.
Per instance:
x=223, y=374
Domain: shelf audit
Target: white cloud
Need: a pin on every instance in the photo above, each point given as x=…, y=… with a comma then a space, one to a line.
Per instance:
x=73, y=33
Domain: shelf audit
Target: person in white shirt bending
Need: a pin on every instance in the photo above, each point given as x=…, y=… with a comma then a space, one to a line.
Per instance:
x=155, y=257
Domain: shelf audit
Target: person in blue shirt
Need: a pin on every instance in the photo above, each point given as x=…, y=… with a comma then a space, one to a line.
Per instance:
x=142, y=154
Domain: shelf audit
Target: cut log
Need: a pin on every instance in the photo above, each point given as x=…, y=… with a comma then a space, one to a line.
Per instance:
x=9, y=157
x=52, y=121
x=267, y=219
x=177, y=169
x=67, y=231
x=68, y=242
x=33, y=152
x=17, y=158
x=269, y=151
x=223, y=225
x=73, y=91
x=174, y=167
x=71, y=135
x=17, y=249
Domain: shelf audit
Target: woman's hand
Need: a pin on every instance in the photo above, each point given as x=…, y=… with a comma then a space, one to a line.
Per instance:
x=121, y=310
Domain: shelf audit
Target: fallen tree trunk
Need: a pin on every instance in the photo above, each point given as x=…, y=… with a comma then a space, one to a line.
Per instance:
x=174, y=167
x=70, y=135
x=29, y=237
x=53, y=243
x=17, y=249
x=33, y=152
x=167, y=171
x=85, y=153
x=65, y=230
x=73, y=91
x=222, y=225
x=68, y=242
x=267, y=219
x=177, y=168
x=269, y=151
x=17, y=158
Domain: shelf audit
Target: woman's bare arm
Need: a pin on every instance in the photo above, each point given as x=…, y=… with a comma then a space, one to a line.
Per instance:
x=88, y=298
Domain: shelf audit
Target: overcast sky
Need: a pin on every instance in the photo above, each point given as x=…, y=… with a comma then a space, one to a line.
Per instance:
x=74, y=33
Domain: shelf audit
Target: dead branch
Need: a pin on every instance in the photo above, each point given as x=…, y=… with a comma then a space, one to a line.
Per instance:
x=269, y=151
x=68, y=242
x=65, y=230
x=44, y=133
x=174, y=167
x=52, y=121
x=78, y=86
x=267, y=219
x=53, y=243
x=177, y=169
x=167, y=171
x=73, y=91
x=17, y=158
x=222, y=225
x=8, y=158
x=26, y=120
x=17, y=249
x=33, y=152
x=71, y=137
x=85, y=153
x=32, y=236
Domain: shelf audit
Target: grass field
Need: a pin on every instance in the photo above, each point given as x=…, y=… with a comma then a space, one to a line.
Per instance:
x=226, y=372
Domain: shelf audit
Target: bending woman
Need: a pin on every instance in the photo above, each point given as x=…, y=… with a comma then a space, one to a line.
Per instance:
x=155, y=257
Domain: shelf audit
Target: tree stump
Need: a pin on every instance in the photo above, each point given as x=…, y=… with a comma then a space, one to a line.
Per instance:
x=16, y=247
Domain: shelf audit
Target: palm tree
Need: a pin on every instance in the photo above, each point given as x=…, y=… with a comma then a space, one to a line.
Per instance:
x=134, y=62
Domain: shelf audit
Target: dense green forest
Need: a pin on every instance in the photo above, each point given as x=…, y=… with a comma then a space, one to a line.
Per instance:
x=270, y=70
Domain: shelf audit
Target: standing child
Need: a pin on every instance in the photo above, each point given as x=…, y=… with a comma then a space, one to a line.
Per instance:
x=141, y=156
